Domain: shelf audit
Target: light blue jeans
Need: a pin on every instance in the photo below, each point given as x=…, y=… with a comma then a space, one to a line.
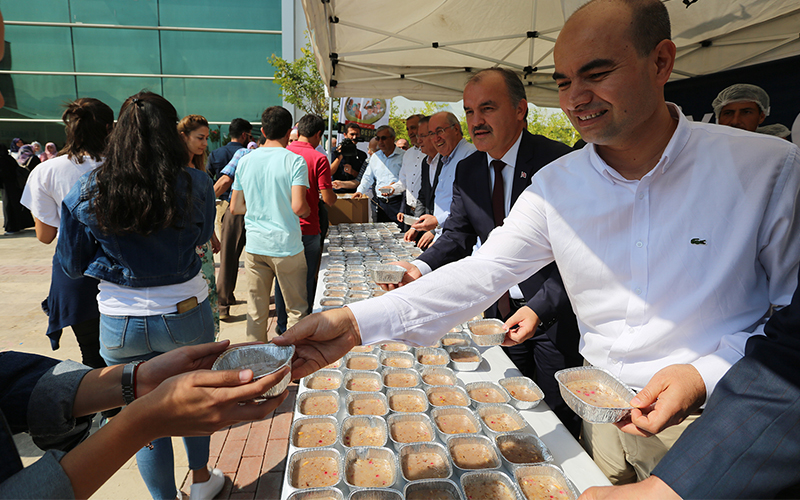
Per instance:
x=130, y=338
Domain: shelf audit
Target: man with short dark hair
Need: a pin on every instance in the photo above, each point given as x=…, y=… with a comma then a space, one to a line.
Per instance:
x=232, y=237
x=670, y=260
x=270, y=191
x=309, y=131
x=348, y=166
x=382, y=171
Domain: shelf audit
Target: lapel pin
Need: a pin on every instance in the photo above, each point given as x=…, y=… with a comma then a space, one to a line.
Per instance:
x=523, y=175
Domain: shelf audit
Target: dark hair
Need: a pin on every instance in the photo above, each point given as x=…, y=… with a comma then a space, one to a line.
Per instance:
x=186, y=126
x=352, y=125
x=238, y=127
x=310, y=125
x=424, y=119
x=87, y=124
x=650, y=25
x=386, y=127
x=276, y=122
x=514, y=87
x=415, y=115
x=135, y=188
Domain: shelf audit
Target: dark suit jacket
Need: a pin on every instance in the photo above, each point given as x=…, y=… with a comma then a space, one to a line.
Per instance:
x=747, y=443
x=471, y=217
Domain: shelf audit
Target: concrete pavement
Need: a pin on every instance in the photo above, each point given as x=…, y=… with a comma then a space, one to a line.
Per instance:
x=252, y=456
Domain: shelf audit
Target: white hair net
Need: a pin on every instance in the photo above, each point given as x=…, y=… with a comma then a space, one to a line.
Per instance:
x=776, y=129
x=741, y=92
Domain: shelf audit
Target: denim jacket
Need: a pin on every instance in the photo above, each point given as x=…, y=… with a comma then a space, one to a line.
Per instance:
x=166, y=257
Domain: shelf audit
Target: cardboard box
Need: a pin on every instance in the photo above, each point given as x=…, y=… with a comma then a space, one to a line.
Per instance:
x=347, y=210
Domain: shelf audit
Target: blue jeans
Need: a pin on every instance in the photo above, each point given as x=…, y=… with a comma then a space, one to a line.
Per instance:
x=312, y=247
x=129, y=338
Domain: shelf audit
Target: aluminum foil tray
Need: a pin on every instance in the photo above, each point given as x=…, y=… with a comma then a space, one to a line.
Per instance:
x=476, y=329
x=521, y=404
x=298, y=423
x=375, y=494
x=398, y=418
x=371, y=452
x=527, y=441
x=588, y=412
x=472, y=479
x=363, y=421
x=550, y=471
x=263, y=359
x=387, y=274
x=317, y=494
x=298, y=458
x=494, y=462
x=477, y=386
x=419, y=490
x=433, y=448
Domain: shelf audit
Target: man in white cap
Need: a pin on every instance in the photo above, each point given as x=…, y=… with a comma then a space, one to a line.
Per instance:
x=742, y=106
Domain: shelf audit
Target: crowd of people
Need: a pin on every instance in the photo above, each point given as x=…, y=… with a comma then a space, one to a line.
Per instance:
x=658, y=251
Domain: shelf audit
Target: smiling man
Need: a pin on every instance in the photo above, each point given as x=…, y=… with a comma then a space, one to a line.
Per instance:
x=671, y=246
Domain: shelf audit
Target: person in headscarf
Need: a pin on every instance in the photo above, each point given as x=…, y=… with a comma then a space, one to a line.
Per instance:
x=50, y=151
x=26, y=158
x=37, y=148
x=15, y=145
x=15, y=216
x=252, y=145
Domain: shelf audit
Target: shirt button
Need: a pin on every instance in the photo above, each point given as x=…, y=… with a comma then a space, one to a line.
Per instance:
x=639, y=244
x=641, y=196
x=638, y=291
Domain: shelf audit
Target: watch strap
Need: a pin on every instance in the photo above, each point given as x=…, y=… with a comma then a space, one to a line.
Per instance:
x=129, y=380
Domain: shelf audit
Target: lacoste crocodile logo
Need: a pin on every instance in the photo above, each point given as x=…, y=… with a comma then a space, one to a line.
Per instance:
x=697, y=241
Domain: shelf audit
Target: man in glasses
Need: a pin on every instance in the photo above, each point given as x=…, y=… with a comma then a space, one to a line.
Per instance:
x=382, y=171
x=448, y=139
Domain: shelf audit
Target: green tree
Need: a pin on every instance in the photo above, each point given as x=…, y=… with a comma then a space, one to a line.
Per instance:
x=300, y=81
x=398, y=122
x=554, y=126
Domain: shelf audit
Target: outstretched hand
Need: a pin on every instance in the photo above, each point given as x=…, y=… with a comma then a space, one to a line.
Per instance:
x=320, y=339
x=427, y=222
x=175, y=362
x=425, y=240
x=411, y=274
x=521, y=326
x=672, y=394
x=203, y=401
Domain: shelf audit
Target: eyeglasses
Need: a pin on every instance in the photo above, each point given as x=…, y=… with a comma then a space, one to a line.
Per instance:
x=424, y=136
x=383, y=138
x=440, y=131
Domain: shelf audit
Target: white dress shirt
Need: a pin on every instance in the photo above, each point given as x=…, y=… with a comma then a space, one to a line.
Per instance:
x=381, y=171
x=444, y=188
x=410, y=178
x=678, y=267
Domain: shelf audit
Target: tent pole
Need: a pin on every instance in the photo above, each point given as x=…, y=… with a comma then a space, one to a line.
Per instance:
x=330, y=126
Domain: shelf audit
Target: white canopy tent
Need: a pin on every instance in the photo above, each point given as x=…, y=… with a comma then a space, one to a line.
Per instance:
x=427, y=49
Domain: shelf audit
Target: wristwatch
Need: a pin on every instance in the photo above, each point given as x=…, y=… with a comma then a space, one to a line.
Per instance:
x=129, y=381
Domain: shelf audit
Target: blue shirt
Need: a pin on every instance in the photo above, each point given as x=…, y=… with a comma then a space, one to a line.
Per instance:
x=444, y=189
x=218, y=159
x=381, y=170
x=230, y=168
x=266, y=177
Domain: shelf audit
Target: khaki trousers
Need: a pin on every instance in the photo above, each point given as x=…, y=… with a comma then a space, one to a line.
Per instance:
x=291, y=275
x=625, y=458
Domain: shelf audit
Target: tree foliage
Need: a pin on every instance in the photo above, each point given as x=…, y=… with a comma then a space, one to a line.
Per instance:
x=300, y=82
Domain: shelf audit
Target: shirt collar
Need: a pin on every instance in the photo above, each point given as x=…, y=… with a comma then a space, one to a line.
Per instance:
x=510, y=158
x=383, y=156
x=446, y=159
x=676, y=143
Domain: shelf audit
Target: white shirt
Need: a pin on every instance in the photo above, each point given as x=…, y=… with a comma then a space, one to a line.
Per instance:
x=444, y=189
x=410, y=179
x=678, y=267
x=50, y=182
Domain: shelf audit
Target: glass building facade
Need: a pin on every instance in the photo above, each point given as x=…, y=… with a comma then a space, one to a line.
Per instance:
x=206, y=57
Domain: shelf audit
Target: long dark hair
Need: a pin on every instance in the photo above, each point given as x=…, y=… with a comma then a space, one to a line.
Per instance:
x=88, y=122
x=135, y=189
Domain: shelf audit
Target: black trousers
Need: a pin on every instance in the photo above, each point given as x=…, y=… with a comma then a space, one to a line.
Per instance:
x=389, y=208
